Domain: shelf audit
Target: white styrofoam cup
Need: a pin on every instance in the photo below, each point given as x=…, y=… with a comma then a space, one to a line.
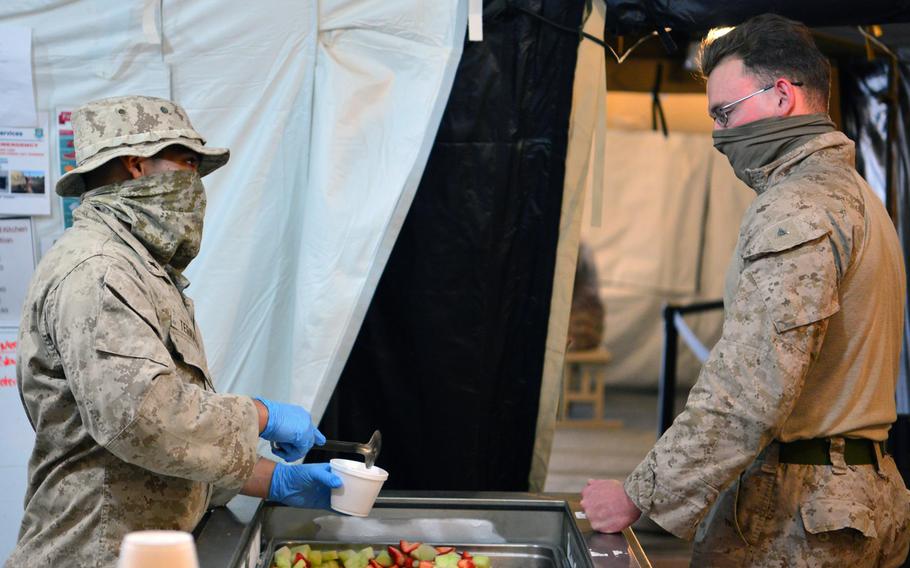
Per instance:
x=154, y=549
x=360, y=489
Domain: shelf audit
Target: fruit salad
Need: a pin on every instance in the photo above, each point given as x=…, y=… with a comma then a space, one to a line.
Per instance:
x=405, y=555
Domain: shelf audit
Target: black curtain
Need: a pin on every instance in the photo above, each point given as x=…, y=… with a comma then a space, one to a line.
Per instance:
x=449, y=359
x=868, y=91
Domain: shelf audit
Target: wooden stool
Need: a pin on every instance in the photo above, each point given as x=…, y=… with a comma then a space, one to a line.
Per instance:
x=583, y=381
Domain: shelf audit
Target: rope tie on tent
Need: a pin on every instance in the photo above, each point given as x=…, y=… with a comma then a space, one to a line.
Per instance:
x=657, y=109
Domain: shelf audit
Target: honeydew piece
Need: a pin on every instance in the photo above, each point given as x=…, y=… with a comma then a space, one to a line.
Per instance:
x=384, y=560
x=303, y=549
x=282, y=557
x=367, y=553
x=355, y=560
x=424, y=552
x=482, y=561
x=448, y=560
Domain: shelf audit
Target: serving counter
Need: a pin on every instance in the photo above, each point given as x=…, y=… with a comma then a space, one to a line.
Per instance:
x=513, y=529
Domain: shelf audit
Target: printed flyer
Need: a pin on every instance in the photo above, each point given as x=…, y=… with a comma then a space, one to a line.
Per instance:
x=24, y=168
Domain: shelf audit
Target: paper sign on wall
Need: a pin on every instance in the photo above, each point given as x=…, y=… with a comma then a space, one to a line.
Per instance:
x=24, y=168
x=16, y=436
x=17, y=262
x=16, y=441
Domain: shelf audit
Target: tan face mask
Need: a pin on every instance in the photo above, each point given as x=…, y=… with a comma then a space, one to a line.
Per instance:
x=165, y=213
x=757, y=144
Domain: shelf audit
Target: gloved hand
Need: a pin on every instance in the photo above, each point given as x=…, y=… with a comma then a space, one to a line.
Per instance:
x=292, y=430
x=305, y=485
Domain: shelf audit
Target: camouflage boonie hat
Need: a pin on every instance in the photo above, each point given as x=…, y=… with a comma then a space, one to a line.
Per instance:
x=132, y=126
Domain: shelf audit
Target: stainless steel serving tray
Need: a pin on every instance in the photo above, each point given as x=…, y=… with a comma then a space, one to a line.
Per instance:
x=515, y=529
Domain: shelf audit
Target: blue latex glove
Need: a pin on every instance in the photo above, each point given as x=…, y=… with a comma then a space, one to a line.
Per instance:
x=291, y=429
x=304, y=485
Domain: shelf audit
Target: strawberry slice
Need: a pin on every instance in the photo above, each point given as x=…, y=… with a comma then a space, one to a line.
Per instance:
x=298, y=558
x=466, y=563
x=466, y=554
x=445, y=549
x=408, y=547
x=426, y=564
x=397, y=557
x=374, y=564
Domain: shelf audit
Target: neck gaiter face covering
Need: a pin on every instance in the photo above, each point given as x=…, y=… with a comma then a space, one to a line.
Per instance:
x=759, y=143
x=164, y=212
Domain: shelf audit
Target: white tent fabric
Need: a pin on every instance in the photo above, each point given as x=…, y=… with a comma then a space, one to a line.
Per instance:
x=587, y=123
x=329, y=108
x=667, y=235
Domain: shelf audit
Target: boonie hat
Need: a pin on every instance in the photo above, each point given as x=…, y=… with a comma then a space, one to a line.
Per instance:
x=131, y=126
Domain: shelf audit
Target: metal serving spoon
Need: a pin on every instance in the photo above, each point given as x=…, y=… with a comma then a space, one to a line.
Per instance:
x=369, y=451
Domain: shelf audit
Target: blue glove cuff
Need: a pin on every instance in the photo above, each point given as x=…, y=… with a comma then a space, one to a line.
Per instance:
x=278, y=486
x=270, y=423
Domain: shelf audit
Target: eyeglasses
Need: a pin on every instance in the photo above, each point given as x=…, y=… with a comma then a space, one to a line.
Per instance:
x=721, y=115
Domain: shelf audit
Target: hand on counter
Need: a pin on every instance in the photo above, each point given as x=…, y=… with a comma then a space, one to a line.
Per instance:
x=291, y=427
x=305, y=485
x=607, y=506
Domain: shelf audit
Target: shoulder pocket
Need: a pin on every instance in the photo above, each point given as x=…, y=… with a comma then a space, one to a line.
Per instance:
x=827, y=515
x=792, y=266
x=127, y=323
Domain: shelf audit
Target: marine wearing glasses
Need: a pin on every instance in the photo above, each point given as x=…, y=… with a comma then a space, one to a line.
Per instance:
x=721, y=115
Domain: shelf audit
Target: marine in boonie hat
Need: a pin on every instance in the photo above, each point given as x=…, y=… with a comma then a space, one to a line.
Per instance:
x=132, y=126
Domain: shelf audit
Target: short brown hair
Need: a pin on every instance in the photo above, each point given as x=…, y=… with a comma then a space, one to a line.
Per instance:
x=770, y=47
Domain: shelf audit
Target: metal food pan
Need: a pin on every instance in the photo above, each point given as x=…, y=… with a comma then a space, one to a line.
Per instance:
x=513, y=532
x=501, y=556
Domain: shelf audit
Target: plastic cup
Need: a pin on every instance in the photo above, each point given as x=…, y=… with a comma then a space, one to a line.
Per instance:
x=360, y=489
x=156, y=549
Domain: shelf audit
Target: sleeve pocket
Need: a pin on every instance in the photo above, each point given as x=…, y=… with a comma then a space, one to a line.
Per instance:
x=793, y=269
x=828, y=515
x=127, y=321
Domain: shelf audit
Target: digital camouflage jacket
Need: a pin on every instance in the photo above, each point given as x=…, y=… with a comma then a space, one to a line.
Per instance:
x=811, y=336
x=129, y=432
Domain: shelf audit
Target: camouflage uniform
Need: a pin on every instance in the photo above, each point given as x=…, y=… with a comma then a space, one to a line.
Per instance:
x=810, y=346
x=113, y=376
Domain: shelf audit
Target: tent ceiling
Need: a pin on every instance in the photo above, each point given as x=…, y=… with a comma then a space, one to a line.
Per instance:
x=696, y=16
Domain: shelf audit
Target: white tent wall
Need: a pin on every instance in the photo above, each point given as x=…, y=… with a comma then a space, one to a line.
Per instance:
x=329, y=108
x=669, y=223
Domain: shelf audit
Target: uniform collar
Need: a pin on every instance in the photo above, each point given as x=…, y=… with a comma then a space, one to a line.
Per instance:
x=121, y=230
x=841, y=147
